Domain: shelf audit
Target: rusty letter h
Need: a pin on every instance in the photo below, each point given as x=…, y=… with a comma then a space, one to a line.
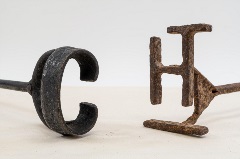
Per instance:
x=195, y=86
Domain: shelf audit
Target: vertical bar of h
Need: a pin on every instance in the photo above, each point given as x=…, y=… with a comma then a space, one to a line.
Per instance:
x=186, y=69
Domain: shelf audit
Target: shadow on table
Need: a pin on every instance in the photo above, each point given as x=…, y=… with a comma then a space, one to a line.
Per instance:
x=222, y=115
x=16, y=107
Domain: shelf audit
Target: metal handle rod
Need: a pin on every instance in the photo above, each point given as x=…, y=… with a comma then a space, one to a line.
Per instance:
x=228, y=88
x=14, y=85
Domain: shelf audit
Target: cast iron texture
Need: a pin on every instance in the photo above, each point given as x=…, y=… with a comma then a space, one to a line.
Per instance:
x=45, y=87
x=195, y=86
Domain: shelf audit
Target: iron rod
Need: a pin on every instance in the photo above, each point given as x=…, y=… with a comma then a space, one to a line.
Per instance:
x=228, y=88
x=14, y=85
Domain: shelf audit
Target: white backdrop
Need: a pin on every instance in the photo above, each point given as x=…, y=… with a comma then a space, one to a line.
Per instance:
x=117, y=33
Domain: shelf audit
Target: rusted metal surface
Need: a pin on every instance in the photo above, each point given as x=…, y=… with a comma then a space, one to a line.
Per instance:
x=195, y=86
x=181, y=128
x=45, y=86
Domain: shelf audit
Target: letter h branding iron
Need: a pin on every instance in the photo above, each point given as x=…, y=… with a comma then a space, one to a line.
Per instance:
x=195, y=86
